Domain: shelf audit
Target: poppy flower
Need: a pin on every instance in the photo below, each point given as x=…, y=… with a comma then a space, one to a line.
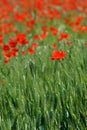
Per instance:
x=36, y=37
x=58, y=55
x=8, y=56
x=54, y=45
x=5, y=48
x=6, y=61
x=44, y=28
x=21, y=38
x=15, y=49
x=14, y=53
x=43, y=36
x=32, y=22
x=64, y=35
x=34, y=45
x=19, y=17
x=12, y=43
x=23, y=53
x=31, y=51
x=54, y=30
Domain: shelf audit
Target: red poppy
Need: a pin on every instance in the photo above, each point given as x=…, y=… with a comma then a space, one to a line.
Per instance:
x=54, y=45
x=5, y=48
x=6, y=61
x=23, y=53
x=43, y=36
x=8, y=56
x=12, y=43
x=14, y=53
x=36, y=37
x=54, y=30
x=15, y=49
x=64, y=35
x=57, y=55
x=21, y=38
x=19, y=17
x=31, y=51
x=34, y=45
x=32, y=22
x=44, y=28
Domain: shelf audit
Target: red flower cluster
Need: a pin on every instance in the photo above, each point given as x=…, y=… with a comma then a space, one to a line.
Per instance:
x=58, y=55
x=39, y=20
x=21, y=38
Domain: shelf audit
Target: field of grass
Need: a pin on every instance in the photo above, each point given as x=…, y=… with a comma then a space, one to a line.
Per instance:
x=40, y=91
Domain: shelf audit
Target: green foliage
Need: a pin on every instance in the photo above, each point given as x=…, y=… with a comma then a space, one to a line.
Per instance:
x=39, y=94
